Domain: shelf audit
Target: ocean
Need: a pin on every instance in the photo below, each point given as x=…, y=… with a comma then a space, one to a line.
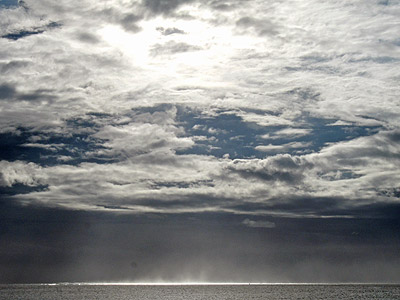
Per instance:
x=197, y=292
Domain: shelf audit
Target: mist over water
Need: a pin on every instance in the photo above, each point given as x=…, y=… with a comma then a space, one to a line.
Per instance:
x=62, y=246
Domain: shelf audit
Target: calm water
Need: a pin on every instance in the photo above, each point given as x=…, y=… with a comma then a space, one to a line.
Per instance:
x=194, y=292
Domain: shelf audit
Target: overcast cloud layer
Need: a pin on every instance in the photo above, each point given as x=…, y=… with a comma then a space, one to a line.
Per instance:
x=258, y=109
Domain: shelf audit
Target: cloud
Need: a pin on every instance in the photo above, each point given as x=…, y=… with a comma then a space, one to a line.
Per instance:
x=169, y=31
x=262, y=27
x=87, y=37
x=151, y=177
x=163, y=6
x=229, y=110
x=258, y=224
x=128, y=22
x=281, y=167
x=135, y=139
x=18, y=172
x=288, y=132
x=284, y=147
x=223, y=5
x=172, y=47
x=9, y=67
x=7, y=91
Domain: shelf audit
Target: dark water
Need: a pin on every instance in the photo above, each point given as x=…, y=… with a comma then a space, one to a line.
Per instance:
x=195, y=292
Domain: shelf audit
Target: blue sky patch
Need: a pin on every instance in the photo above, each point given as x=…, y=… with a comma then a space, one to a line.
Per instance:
x=19, y=188
x=24, y=33
x=223, y=134
x=228, y=133
x=8, y=3
x=49, y=149
x=21, y=34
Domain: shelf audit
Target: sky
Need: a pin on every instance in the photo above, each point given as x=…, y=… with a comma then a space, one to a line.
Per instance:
x=199, y=141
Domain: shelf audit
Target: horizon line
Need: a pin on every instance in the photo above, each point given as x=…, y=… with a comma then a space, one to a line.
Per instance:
x=207, y=283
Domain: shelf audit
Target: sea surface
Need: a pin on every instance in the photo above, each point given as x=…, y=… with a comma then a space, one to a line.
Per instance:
x=197, y=292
